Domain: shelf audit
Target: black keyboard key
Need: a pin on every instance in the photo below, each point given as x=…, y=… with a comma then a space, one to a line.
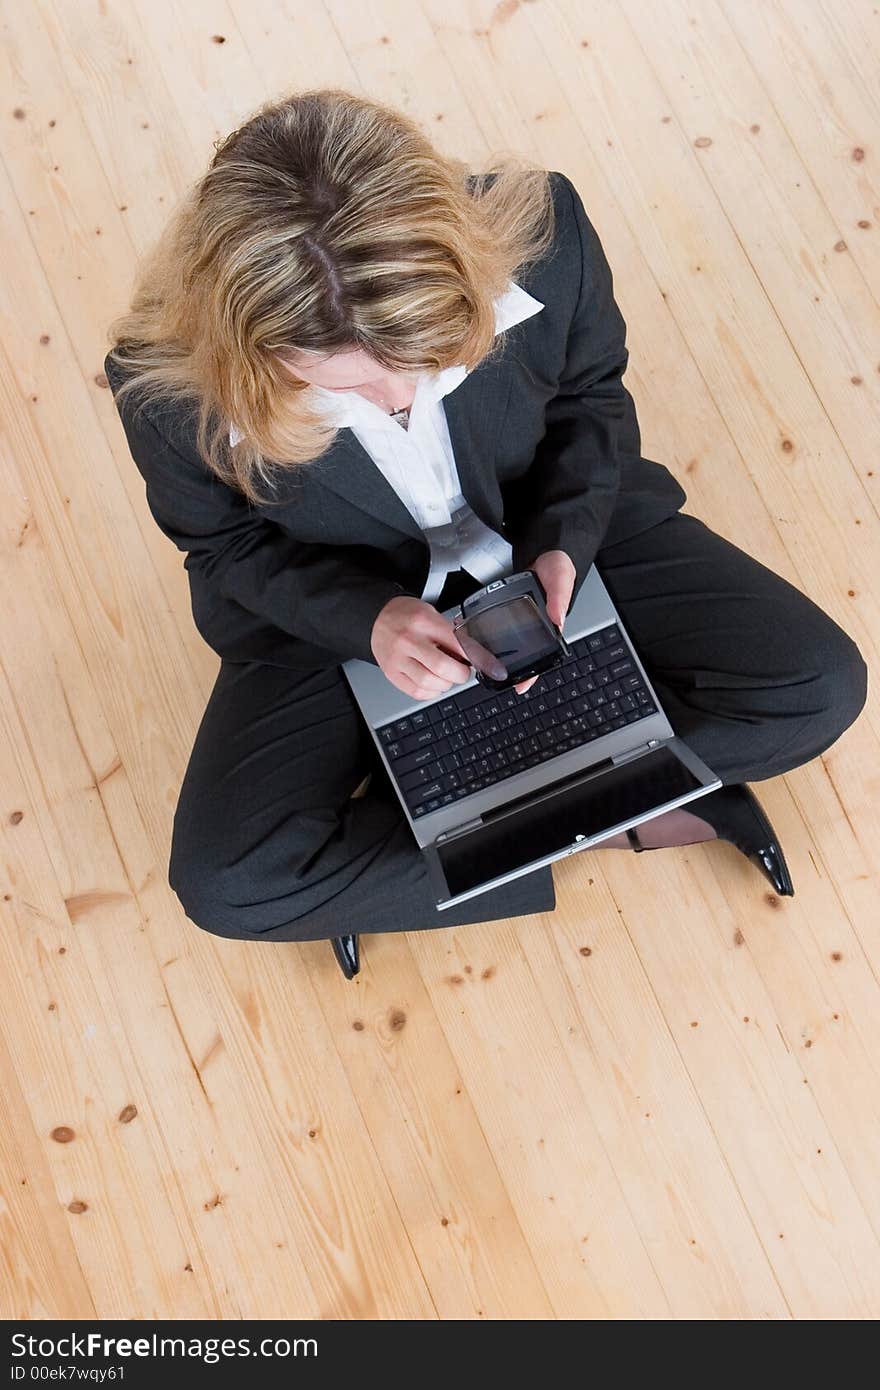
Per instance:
x=426, y=792
x=425, y=757
x=466, y=699
x=621, y=668
x=439, y=747
x=415, y=784
x=619, y=652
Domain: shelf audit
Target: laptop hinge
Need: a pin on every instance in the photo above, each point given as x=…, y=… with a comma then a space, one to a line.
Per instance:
x=458, y=830
x=636, y=752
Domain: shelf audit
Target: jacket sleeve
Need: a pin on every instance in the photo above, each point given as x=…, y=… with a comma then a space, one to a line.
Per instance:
x=566, y=498
x=321, y=594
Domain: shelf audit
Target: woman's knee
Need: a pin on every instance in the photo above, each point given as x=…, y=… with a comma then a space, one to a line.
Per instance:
x=202, y=891
x=278, y=885
x=218, y=892
x=841, y=687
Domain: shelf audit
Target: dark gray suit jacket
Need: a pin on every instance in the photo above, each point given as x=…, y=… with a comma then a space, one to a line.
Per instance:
x=548, y=451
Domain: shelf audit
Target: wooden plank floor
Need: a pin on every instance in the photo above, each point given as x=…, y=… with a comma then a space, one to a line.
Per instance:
x=660, y=1101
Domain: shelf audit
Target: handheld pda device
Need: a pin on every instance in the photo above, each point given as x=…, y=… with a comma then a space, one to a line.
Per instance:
x=506, y=634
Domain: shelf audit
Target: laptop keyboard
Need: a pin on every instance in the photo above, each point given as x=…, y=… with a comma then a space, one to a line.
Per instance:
x=479, y=737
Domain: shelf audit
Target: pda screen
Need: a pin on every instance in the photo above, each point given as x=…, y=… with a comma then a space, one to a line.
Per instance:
x=513, y=632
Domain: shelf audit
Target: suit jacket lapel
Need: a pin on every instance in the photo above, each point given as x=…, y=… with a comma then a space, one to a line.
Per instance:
x=474, y=411
x=348, y=470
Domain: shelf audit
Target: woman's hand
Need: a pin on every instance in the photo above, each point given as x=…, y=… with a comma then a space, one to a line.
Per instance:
x=557, y=573
x=417, y=649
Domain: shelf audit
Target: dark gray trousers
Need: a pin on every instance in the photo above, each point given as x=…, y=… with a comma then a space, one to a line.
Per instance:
x=268, y=846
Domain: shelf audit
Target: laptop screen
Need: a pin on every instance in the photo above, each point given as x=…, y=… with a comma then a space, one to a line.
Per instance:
x=518, y=835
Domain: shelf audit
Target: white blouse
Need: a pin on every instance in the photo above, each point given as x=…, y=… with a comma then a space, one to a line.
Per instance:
x=417, y=459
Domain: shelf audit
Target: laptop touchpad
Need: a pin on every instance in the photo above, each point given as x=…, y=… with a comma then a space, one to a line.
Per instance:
x=515, y=836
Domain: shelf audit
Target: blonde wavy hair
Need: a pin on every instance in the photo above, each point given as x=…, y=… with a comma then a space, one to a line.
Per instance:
x=326, y=222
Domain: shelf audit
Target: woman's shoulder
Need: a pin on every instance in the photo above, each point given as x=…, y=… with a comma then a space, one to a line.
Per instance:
x=555, y=276
x=161, y=411
x=161, y=434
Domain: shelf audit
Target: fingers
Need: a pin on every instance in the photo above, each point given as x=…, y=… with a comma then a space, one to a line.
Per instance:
x=413, y=687
x=425, y=679
x=559, y=597
x=482, y=659
x=556, y=571
x=525, y=685
x=446, y=640
x=439, y=663
x=438, y=647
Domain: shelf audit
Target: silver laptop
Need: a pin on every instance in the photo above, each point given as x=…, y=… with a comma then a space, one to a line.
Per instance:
x=495, y=785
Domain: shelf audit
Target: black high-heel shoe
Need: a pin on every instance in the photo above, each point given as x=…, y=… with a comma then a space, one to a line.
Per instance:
x=345, y=949
x=736, y=815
